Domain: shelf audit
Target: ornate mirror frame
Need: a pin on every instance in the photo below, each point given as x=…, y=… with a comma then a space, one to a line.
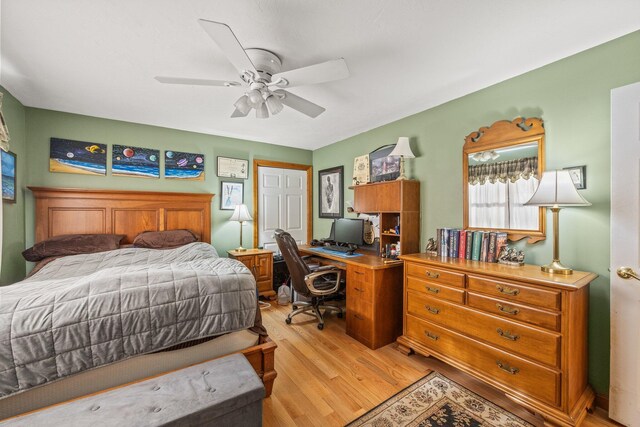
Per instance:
x=499, y=135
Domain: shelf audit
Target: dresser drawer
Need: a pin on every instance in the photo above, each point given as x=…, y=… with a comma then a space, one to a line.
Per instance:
x=546, y=298
x=511, y=310
x=513, y=372
x=360, y=321
x=359, y=286
x=435, y=275
x=435, y=289
x=357, y=274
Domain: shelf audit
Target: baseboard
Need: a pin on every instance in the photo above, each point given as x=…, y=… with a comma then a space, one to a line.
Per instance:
x=602, y=401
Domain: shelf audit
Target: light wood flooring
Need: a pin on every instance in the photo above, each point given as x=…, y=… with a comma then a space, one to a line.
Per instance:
x=326, y=378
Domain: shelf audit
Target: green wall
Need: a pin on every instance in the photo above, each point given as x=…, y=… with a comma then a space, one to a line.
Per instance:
x=44, y=124
x=572, y=96
x=13, y=266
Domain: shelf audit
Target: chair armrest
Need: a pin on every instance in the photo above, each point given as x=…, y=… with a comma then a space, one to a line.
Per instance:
x=310, y=278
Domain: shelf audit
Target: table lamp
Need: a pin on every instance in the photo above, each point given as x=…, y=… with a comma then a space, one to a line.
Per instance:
x=556, y=190
x=402, y=150
x=240, y=214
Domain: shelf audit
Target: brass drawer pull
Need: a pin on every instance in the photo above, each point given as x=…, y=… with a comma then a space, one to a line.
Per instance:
x=358, y=317
x=507, y=335
x=432, y=275
x=507, y=310
x=359, y=272
x=505, y=367
x=358, y=289
x=431, y=336
x=507, y=290
x=432, y=290
x=432, y=309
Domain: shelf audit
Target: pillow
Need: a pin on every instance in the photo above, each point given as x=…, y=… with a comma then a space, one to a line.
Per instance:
x=72, y=244
x=164, y=239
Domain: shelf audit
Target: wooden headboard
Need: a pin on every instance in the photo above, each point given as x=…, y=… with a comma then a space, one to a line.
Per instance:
x=81, y=211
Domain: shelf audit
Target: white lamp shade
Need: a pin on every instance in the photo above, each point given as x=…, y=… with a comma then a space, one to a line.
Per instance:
x=556, y=189
x=241, y=214
x=402, y=149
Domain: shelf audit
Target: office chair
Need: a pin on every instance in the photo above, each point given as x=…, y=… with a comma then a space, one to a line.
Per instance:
x=316, y=284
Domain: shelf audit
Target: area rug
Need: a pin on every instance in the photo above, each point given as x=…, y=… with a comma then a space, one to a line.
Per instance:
x=436, y=401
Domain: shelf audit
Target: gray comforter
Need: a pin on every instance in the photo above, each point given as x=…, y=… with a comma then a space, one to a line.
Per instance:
x=84, y=311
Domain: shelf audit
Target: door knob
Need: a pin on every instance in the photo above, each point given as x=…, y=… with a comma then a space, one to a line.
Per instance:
x=627, y=273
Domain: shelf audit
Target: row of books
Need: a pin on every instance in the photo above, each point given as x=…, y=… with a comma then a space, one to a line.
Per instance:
x=474, y=245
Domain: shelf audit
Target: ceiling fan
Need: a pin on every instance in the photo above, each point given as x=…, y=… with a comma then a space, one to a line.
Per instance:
x=262, y=76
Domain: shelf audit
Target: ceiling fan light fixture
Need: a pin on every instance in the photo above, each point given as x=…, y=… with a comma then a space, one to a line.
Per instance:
x=242, y=104
x=262, y=112
x=255, y=98
x=274, y=104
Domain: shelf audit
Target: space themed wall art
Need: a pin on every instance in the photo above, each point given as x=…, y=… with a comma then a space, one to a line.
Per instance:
x=69, y=156
x=178, y=165
x=135, y=162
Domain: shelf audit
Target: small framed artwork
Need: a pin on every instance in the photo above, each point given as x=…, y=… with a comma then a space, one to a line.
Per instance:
x=330, y=194
x=578, y=176
x=233, y=168
x=382, y=166
x=231, y=195
x=8, y=176
x=361, y=170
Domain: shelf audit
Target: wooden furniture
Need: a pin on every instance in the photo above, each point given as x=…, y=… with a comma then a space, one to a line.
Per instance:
x=516, y=328
x=68, y=210
x=260, y=262
x=397, y=203
x=374, y=296
x=508, y=139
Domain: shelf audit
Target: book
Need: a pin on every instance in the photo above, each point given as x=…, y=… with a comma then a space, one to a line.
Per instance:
x=455, y=238
x=501, y=241
x=469, y=244
x=491, y=253
x=477, y=244
x=439, y=240
x=484, y=247
x=462, y=244
x=445, y=242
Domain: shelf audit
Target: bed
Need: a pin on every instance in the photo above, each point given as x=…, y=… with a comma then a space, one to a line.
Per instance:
x=186, y=275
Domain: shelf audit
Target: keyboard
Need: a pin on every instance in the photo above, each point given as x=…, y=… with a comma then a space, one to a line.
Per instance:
x=343, y=249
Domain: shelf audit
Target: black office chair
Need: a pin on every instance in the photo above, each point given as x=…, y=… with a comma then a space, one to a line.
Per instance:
x=317, y=284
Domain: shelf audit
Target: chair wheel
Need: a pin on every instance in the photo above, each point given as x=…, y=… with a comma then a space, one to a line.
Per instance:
x=295, y=307
x=340, y=315
x=321, y=326
x=287, y=321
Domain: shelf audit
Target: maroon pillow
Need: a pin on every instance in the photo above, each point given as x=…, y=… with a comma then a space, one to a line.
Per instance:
x=72, y=244
x=164, y=239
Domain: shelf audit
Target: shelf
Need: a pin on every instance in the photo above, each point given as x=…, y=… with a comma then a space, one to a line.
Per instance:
x=390, y=234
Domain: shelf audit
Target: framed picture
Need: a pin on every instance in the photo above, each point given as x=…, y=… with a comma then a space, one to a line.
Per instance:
x=231, y=195
x=578, y=176
x=361, y=170
x=68, y=156
x=135, y=161
x=233, y=168
x=8, y=176
x=382, y=166
x=330, y=194
x=179, y=165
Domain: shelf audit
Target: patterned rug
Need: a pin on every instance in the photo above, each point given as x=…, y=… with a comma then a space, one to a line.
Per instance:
x=436, y=401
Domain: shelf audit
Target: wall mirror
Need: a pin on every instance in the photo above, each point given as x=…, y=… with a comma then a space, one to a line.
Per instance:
x=501, y=166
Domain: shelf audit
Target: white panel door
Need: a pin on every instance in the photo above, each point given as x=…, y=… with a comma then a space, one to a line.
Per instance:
x=282, y=203
x=624, y=389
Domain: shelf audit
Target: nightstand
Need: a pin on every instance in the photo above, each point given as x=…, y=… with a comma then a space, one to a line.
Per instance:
x=260, y=262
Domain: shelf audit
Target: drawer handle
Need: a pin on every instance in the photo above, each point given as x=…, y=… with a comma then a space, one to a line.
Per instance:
x=507, y=335
x=358, y=317
x=507, y=310
x=431, y=336
x=432, y=275
x=359, y=272
x=505, y=367
x=507, y=290
x=432, y=290
x=432, y=309
x=358, y=289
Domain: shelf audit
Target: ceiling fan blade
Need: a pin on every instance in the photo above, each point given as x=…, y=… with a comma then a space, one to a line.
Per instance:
x=300, y=104
x=227, y=41
x=335, y=69
x=238, y=113
x=196, y=82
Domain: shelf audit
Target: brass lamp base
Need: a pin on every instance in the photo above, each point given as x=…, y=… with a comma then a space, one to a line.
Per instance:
x=556, y=267
x=240, y=249
x=402, y=176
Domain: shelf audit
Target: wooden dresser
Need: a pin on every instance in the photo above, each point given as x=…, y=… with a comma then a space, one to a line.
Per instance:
x=260, y=262
x=516, y=328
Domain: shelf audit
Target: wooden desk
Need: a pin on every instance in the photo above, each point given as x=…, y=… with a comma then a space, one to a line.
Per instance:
x=374, y=296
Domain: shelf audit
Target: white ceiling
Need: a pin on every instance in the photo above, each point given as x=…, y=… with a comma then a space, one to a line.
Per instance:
x=99, y=57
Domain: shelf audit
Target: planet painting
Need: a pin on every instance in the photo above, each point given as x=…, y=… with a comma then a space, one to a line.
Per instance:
x=135, y=162
x=69, y=156
x=178, y=165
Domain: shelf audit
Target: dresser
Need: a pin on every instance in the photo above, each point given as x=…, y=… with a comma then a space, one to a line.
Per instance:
x=516, y=328
x=260, y=262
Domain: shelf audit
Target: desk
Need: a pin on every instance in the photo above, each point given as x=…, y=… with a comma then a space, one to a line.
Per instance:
x=374, y=296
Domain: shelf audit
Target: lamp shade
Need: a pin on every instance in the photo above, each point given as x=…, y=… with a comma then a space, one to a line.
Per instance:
x=240, y=214
x=556, y=189
x=402, y=149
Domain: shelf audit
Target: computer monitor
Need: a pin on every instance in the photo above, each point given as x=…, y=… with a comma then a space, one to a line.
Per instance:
x=349, y=230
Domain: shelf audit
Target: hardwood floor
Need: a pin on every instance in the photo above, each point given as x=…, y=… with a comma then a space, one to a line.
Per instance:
x=326, y=378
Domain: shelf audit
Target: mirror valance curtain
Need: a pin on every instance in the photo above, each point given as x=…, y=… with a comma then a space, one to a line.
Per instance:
x=510, y=170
